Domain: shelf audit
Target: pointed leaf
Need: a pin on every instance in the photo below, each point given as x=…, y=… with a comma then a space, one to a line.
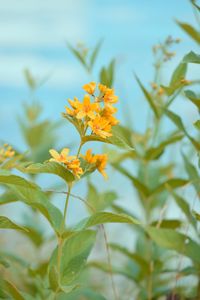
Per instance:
x=51, y=168
x=148, y=97
x=6, y=223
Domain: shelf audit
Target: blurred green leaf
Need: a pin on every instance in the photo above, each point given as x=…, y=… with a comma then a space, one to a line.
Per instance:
x=197, y=215
x=6, y=223
x=30, y=79
x=99, y=201
x=178, y=122
x=192, y=58
x=170, y=183
x=13, y=291
x=197, y=124
x=141, y=262
x=107, y=74
x=193, y=98
x=192, y=173
x=170, y=239
x=156, y=152
x=165, y=223
x=78, y=55
x=148, y=97
x=38, y=200
x=178, y=74
x=95, y=54
x=190, y=30
x=181, y=202
x=16, y=180
x=141, y=188
x=53, y=278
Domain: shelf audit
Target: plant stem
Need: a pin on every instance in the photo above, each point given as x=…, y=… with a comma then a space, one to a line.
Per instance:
x=60, y=238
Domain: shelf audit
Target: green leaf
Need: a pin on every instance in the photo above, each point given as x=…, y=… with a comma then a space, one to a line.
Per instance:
x=178, y=74
x=193, y=98
x=170, y=239
x=156, y=152
x=51, y=168
x=192, y=58
x=6, y=223
x=169, y=184
x=176, y=83
x=106, y=217
x=140, y=261
x=171, y=223
x=78, y=55
x=178, y=122
x=38, y=200
x=107, y=74
x=84, y=292
x=16, y=180
x=197, y=215
x=4, y=263
x=30, y=79
x=192, y=173
x=190, y=30
x=117, y=139
x=197, y=124
x=183, y=205
x=13, y=291
x=148, y=97
x=53, y=278
x=95, y=54
x=99, y=201
x=75, y=252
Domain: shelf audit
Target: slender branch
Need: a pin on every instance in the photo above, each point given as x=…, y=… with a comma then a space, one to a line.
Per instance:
x=109, y=262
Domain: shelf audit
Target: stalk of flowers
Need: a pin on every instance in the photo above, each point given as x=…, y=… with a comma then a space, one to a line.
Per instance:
x=95, y=114
x=6, y=152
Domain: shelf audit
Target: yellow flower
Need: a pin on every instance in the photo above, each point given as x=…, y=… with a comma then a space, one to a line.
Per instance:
x=87, y=109
x=74, y=104
x=89, y=157
x=6, y=152
x=72, y=162
x=101, y=161
x=102, y=88
x=90, y=88
x=62, y=157
x=74, y=166
x=100, y=126
x=107, y=113
x=109, y=97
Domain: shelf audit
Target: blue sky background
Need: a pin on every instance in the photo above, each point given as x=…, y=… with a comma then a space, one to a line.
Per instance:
x=34, y=35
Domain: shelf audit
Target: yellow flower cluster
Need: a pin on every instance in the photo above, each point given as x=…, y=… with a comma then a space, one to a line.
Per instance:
x=73, y=163
x=6, y=152
x=98, y=115
x=95, y=112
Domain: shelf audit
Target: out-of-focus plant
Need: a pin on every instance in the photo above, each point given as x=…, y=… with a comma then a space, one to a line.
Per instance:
x=165, y=261
x=87, y=57
x=39, y=135
x=58, y=274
